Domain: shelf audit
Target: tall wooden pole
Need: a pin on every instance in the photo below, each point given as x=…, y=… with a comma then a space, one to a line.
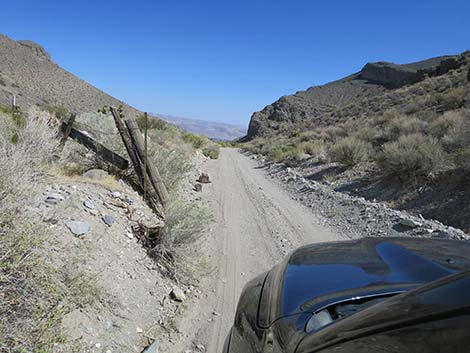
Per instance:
x=146, y=153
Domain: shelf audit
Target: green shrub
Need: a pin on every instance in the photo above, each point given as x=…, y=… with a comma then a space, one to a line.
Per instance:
x=457, y=141
x=153, y=123
x=58, y=111
x=174, y=166
x=211, y=150
x=315, y=149
x=413, y=156
x=196, y=140
x=284, y=152
x=349, y=151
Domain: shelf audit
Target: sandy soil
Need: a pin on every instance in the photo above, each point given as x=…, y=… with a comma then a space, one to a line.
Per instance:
x=256, y=224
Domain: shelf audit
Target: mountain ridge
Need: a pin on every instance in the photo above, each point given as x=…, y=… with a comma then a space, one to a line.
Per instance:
x=316, y=104
x=212, y=129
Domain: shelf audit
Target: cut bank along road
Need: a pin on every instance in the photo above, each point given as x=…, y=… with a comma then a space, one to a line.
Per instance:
x=256, y=225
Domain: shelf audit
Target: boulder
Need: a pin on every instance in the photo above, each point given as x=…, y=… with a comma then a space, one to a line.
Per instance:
x=204, y=178
x=54, y=198
x=198, y=187
x=78, y=228
x=406, y=222
x=108, y=220
x=177, y=294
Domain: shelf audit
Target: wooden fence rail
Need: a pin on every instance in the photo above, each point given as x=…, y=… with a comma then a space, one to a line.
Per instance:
x=103, y=152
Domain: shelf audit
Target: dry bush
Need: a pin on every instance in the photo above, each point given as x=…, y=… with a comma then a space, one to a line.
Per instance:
x=441, y=125
x=184, y=225
x=24, y=151
x=457, y=140
x=284, y=152
x=315, y=149
x=413, y=156
x=349, y=151
x=211, y=150
x=404, y=125
x=174, y=166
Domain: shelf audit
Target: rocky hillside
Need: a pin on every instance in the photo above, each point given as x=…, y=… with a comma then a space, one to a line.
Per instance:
x=212, y=129
x=391, y=133
x=28, y=72
x=318, y=105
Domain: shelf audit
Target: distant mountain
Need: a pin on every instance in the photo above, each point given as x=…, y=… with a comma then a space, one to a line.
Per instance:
x=28, y=72
x=213, y=130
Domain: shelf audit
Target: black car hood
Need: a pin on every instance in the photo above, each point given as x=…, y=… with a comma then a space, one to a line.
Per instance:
x=317, y=275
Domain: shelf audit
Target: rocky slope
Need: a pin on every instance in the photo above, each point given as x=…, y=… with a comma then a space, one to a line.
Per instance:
x=318, y=105
x=28, y=72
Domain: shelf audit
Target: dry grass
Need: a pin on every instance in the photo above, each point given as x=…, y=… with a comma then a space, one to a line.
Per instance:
x=34, y=292
x=24, y=151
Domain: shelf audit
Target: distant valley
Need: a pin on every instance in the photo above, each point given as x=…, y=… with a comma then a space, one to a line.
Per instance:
x=212, y=129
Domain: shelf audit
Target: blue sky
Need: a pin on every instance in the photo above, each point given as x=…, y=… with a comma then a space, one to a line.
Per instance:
x=222, y=60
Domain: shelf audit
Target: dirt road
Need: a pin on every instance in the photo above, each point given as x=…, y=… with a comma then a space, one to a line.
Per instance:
x=256, y=224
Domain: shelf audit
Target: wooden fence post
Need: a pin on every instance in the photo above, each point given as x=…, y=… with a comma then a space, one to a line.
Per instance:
x=137, y=161
x=66, y=132
x=154, y=175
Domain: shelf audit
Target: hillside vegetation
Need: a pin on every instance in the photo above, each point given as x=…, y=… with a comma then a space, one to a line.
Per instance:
x=416, y=135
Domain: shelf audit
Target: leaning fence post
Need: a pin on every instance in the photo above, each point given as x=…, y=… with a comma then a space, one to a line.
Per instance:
x=66, y=132
x=154, y=175
x=136, y=160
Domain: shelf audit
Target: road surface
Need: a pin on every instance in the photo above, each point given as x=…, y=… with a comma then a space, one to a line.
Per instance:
x=256, y=224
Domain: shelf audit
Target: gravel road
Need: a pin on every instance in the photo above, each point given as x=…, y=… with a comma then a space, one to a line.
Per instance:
x=256, y=224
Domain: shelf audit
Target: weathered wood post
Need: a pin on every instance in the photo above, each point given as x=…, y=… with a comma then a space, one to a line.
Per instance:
x=154, y=175
x=66, y=132
x=137, y=162
x=146, y=153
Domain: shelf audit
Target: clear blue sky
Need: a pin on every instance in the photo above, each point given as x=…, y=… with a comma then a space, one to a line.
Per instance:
x=221, y=60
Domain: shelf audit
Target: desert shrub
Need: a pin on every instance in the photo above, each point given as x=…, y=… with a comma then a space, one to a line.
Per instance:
x=451, y=99
x=211, y=150
x=152, y=123
x=413, y=156
x=309, y=135
x=349, y=151
x=35, y=294
x=174, y=166
x=335, y=132
x=315, y=149
x=185, y=223
x=58, y=111
x=457, y=141
x=441, y=125
x=284, y=152
x=196, y=140
x=29, y=317
x=24, y=150
x=403, y=125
